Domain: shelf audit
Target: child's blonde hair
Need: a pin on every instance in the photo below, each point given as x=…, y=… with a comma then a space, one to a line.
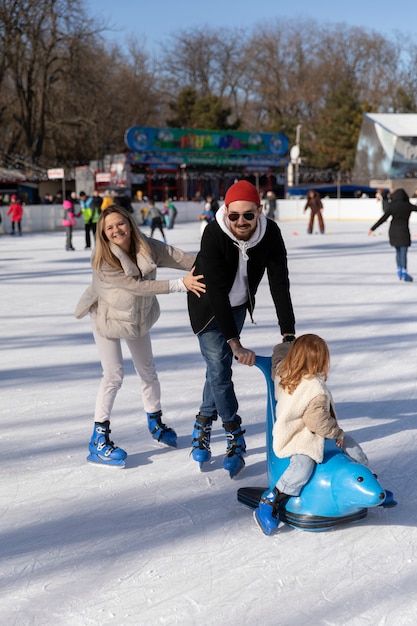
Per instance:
x=308, y=356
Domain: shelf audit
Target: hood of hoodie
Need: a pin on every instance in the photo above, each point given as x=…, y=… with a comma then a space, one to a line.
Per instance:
x=399, y=195
x=224, y=223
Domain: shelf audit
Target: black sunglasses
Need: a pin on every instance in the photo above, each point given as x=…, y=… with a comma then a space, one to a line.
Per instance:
x=233, y=217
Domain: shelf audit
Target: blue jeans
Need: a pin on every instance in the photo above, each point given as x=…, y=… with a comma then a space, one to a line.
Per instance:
x=219, y=396
x=301, y=467
x=296, y=475
x=401, y=256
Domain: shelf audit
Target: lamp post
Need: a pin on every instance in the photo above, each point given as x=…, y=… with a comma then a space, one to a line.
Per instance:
x=294, y=164
x=183, y=167
x=297, y=162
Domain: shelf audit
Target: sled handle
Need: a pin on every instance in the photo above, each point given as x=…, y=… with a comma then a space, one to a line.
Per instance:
x=264, y=363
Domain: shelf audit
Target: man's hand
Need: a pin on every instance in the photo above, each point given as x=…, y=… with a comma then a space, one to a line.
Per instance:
x=241, y=354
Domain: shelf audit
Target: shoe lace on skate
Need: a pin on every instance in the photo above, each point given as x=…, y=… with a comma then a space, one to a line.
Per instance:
x=203, y=438
x=235, y=443
x=234, y=446
x=109, y=445
x=160, y=428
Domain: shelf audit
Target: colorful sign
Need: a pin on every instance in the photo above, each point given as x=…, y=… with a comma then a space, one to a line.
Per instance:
x=221, y=143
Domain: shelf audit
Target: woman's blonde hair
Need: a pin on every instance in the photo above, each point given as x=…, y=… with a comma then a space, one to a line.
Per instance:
x=308, y=356
x=103, y=253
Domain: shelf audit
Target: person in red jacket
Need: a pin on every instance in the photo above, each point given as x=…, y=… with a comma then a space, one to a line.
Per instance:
x=16, y=212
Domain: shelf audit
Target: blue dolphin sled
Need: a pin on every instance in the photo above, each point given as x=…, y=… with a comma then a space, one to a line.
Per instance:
x=339, y=491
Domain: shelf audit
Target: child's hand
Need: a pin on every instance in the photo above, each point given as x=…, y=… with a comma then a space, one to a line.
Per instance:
x=339, y=443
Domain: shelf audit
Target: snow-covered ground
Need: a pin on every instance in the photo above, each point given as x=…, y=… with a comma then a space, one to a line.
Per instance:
x=160, y=542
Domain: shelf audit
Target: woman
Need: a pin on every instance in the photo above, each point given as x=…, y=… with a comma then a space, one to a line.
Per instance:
x=399, y=209
x=122, y=305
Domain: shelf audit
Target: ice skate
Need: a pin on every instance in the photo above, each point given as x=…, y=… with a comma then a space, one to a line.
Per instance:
x=102, y=450
x=389, y=501
x=234, y=462
x=201, y=440
x=159, y=431
x=405, y=276
x=266, y=513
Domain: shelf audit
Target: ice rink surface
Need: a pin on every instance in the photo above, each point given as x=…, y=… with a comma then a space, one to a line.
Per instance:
x=161, y=543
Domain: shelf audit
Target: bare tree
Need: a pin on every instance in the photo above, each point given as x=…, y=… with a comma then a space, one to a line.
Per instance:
x=67, y=97
x=35, y=47
x=206, y=60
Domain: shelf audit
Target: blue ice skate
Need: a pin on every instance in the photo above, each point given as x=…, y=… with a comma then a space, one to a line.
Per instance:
x=159, y=431
x=234, y=462
x=389, y=501
x=266, y=513
x=200, y=451
x=102, y=450
x=405, y=276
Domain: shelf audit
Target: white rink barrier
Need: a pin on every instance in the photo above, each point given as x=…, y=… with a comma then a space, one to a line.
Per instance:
x=41, y=218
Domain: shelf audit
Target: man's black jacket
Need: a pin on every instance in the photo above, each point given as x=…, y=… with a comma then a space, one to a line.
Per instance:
x=218, y=261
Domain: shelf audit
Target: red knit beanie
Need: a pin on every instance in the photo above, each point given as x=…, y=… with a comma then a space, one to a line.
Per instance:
x=242, y=190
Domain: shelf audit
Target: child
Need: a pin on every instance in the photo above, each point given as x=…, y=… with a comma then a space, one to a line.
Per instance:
x=305, y=418
x=206, y=217
x=68, y=222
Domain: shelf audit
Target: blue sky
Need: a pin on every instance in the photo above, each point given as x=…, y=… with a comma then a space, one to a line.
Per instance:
x=152, y=21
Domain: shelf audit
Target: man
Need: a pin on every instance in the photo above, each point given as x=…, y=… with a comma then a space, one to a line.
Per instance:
x=236, y=249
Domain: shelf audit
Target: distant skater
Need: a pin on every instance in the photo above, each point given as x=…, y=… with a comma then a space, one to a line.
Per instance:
x=16, y=213
x=156, y=220
x=68, y=222
x=399, y=209
x=315, y=204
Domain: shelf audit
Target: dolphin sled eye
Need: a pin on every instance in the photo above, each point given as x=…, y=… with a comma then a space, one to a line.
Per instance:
x=360, y=479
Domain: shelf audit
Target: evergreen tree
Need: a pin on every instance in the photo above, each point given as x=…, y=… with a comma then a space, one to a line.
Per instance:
x=404, y=101
x=183, y=109
x=193, y=111
x=336, y=133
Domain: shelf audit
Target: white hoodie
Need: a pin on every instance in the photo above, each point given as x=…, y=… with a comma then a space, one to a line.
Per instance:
x=239, y=292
